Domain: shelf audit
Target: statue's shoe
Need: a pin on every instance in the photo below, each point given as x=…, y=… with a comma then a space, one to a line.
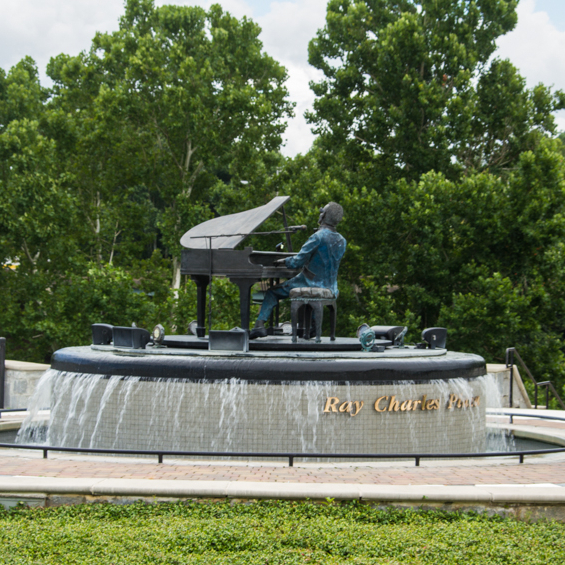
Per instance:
x=257, y=332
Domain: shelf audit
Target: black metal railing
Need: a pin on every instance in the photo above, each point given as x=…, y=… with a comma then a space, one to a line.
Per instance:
x=2, y=369
x=511, y=352
x=284, y=455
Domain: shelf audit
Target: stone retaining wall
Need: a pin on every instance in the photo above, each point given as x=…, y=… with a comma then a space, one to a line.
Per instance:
x=519, y=395
x=21, y=379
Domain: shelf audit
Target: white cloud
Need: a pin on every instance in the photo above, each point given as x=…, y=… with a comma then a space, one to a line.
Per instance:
x=537, y=48
x=45, y=28
x=287, y=29
x=298, y=135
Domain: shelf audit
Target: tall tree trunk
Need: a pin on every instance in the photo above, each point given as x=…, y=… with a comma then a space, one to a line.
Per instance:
x=176, y=275
x=98, y=229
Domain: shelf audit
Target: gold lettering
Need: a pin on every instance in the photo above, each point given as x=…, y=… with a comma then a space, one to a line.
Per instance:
x=452, y=400
x=415, y=404
x=331, y=404
x=477, y=401
x=424, y=401
x=466, y=404
x=378, y=402
x=406, y=405
x=430, y=404
x=459, y=403
x=358, y=405
x=394, y=404
x=436, y=404
x=346, y=406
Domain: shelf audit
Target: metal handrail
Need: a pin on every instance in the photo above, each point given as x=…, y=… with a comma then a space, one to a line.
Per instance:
x=2, y=410
x=285, y=455
x=510, y=353
x=2, y=369
x=495, y=412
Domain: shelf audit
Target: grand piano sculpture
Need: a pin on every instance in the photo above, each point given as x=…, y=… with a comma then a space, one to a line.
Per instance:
x=210, y=251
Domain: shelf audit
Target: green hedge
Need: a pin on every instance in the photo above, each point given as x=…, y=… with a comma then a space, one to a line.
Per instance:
x=270, y=532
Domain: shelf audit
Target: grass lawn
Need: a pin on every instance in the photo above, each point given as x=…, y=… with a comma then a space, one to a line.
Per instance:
x=270, y=532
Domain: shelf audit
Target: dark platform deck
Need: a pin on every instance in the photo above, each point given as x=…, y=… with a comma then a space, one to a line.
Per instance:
x=276, y=343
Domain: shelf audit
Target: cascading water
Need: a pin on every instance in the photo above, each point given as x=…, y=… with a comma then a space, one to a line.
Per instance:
x=97, y=411
x=118, y=412
x=497, y=438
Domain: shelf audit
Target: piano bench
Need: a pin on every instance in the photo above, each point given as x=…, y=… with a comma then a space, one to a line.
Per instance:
x=312, y=299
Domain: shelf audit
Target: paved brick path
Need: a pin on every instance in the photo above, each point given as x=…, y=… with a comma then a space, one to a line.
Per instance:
x=431, y=473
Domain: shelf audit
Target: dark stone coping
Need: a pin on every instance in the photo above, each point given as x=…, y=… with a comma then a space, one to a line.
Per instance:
x=276, y=370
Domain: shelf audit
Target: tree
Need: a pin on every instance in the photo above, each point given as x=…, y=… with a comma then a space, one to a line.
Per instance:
x=445, y=164
x=172, y=102
x=410, y=87
x=37, y=208
x=562, y=139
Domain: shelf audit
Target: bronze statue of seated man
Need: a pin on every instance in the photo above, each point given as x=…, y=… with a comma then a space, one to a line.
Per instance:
x=319, y=259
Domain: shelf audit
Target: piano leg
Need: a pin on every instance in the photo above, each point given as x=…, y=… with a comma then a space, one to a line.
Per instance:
x=244, y=299
x=278, y=306
x=202, y=282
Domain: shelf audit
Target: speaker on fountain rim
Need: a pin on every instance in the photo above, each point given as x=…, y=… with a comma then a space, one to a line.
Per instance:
x=101, y=334
x=435, y=337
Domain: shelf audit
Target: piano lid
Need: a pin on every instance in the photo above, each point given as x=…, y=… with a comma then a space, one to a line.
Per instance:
x=242, y=223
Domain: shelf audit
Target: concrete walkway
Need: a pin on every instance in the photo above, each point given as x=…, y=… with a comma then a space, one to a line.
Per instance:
x=534, y=488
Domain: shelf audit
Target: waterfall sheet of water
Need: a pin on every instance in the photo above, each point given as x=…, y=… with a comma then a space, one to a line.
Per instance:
x=497, y=438
x=128, y=413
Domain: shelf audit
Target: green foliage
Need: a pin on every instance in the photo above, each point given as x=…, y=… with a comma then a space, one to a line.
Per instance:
x=481, y=254
x=410, y=87
x=270, y=532
x=43, y=319
x=450, y=177
x=561, y=138
x=173, y=99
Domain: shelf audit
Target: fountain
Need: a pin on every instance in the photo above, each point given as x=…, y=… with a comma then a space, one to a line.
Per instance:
x=400, y=400
x=131, y=390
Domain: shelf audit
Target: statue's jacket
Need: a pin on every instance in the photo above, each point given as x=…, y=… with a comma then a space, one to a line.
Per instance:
x=319, y=259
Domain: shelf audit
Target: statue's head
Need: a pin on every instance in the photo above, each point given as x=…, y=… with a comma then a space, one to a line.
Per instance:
x=331, y=214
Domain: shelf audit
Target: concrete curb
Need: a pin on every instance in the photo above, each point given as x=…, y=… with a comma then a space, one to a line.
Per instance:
x=178, y=489
x=8, y=425
x=539, y=436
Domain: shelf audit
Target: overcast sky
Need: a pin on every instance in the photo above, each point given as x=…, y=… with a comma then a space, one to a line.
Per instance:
x=44, y=28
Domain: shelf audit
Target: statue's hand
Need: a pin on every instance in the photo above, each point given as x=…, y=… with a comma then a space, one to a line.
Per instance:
x=280, y=263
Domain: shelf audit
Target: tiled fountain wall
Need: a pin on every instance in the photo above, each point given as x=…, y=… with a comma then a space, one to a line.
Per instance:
x=129, y=413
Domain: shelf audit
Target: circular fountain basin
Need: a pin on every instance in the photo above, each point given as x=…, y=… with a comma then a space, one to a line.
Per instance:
x=398, y=401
